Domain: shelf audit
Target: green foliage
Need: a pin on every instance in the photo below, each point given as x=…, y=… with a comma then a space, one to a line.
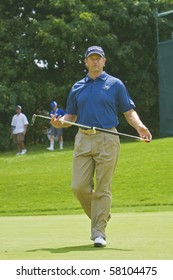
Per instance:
x=42, y=46
x=39, y=183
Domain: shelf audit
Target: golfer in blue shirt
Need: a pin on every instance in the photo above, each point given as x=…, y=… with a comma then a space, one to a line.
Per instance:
x=95, y=101
x=56, y=132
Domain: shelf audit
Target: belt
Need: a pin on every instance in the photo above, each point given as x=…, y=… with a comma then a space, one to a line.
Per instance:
x=88, y=131
x=92, y=131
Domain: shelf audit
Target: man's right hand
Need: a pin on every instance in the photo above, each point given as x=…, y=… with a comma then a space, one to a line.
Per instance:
x=56, y=122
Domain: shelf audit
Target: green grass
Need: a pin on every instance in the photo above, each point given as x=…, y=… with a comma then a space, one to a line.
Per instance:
x=41, y=219
x=39, y=183
x=131, y=236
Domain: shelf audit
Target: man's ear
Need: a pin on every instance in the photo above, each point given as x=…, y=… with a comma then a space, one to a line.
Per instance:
x=85, y=61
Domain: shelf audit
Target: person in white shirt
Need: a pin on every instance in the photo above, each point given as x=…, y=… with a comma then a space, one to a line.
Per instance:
x=19, y=125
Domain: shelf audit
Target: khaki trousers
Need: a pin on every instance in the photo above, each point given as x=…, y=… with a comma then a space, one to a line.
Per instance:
x=94, y=160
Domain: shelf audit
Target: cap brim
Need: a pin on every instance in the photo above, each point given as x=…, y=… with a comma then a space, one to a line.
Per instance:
x=95, y=52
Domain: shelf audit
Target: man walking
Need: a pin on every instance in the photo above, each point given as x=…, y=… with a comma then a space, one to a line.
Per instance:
x=95, y=101
x=19, y=125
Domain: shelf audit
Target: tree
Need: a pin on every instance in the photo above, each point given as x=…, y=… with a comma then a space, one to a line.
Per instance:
x=42, y=45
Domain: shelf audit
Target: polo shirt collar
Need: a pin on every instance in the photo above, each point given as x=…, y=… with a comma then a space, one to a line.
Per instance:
x=103, y=77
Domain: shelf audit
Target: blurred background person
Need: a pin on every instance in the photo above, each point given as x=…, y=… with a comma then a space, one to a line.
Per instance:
x=19, y=125
x=55, y=133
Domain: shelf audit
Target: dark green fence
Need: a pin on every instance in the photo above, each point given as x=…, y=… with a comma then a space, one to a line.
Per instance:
x=165, y=71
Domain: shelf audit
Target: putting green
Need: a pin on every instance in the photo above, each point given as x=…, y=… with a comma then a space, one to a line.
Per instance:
x=130, y=236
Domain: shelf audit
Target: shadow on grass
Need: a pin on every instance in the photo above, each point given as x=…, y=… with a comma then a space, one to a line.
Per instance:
x=76, y=249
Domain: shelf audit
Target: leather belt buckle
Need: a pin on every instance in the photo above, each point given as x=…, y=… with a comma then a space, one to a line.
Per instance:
x=87, y=131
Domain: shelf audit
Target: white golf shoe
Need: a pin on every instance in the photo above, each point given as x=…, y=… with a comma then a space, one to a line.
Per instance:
x=50, y=149
x=99, y=242
x=23, y=152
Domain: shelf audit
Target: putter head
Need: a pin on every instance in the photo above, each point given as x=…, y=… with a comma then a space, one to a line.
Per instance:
x=33, y=119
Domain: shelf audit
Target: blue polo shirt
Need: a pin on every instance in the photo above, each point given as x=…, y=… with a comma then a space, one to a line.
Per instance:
x=58, y=112
x=97, y=102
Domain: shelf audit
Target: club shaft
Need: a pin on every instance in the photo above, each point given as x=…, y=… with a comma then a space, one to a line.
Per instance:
x=44, y=117
x=94, y=128
x=104, y=130
x=117, y=133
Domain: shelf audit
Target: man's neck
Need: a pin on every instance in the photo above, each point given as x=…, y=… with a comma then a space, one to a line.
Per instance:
x=94, y=75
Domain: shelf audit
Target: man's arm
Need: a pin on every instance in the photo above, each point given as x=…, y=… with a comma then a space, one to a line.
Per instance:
x=25, y=128
x=134, y=120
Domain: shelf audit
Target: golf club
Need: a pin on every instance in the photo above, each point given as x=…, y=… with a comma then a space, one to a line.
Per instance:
x=89, y=127
x=40, y=116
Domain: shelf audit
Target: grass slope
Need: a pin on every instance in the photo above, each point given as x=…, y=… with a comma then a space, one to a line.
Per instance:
x=39, y=183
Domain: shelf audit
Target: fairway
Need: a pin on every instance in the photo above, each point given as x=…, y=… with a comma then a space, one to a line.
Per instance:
x=39, y=183
x=130, y=236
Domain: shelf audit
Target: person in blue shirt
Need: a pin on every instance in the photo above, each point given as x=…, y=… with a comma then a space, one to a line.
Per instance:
x=56, y=132
x=95, y=101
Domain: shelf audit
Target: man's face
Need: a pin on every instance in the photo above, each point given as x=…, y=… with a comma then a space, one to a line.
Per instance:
x=95, y=62
x=18, y=111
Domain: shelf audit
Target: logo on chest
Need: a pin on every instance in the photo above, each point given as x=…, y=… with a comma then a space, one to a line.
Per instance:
x=106, y=87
